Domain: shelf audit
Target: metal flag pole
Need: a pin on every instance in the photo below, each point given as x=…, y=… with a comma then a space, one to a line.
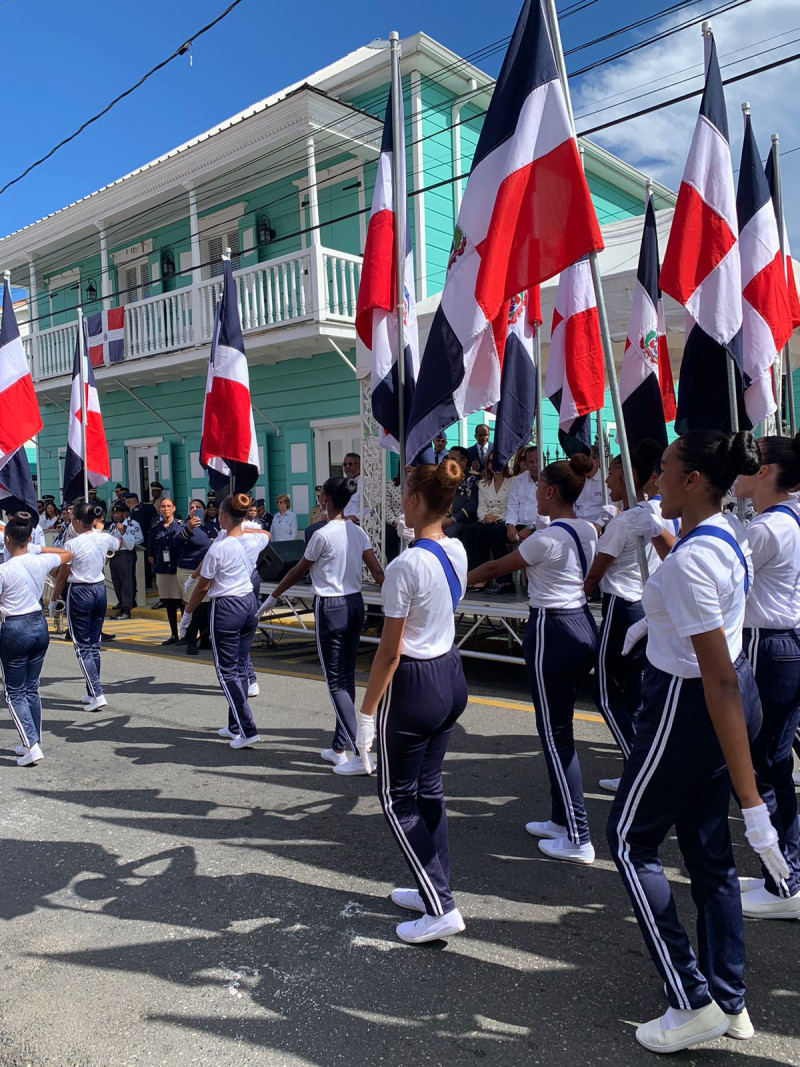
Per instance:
x=537, y=355
x=399, y=209
x=605, y=332
x=601, y=445
x=787, y=356
x=82, y=381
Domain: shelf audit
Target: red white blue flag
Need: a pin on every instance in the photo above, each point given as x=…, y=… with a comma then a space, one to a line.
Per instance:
x=19, y=415
x=228, y=448
x=791, y=281
x=96, y=458
x=376, y=313
x=526, y=214
x=645, y=381
x=702, y=269
x=106, y=331
x=575, y=381
x=516, y=409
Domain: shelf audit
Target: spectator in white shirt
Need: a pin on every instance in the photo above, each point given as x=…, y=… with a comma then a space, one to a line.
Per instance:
x=284, y=524
x=351, y=467
x=491, y=540
x=522, y=515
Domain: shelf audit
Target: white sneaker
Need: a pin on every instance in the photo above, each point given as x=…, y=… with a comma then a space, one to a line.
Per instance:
x=563, y=849
x=245, y=742
x=21, y=750
x=33, y=755
x=706, y=1024
x=546, y=829
x=409, y=899
x=225, y=732
x=746, y=884
x=611, y=785
x=334, y=757
x=253, y=690
x=431, y=928
x=759, y=904
x=741, y=1028
x=355, y=765
x=86, y=700
x=96, y=704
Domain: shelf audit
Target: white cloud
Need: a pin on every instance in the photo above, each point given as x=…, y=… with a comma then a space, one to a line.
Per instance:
x=658, y=143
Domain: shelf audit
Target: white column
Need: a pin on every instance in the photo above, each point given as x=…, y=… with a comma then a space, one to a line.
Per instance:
x=105, y=277
x=33, y=315
x=197, y=274
x=420, y=257
x=319, y=285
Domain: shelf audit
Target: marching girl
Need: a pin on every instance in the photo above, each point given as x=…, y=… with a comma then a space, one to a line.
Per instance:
x=559, y=646
x=226, y=576
x=86, y=594
x=23, y=633
x=166, y=545
x=699, y=703
x=772, y=644
x=618, y=678
x=334, y=556
x=196, y=537
x=418, y=689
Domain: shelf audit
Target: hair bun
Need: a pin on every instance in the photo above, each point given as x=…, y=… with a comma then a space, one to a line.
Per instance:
x=581, y=463
x=97, y=512
x=352, y=486
x=449, y=474
x=22, y=517
x=745, y=456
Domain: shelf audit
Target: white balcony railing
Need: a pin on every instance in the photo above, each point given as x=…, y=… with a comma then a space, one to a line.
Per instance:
x=317, y=284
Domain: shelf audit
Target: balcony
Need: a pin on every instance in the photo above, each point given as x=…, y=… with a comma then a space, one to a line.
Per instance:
x=315, y=286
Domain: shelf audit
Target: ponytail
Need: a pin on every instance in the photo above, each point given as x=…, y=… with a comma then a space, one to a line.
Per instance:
x=86, y=514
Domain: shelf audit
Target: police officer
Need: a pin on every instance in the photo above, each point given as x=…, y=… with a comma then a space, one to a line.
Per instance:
x=93, y=499
x=143, y=513
x=123, y=566
x=164, y=549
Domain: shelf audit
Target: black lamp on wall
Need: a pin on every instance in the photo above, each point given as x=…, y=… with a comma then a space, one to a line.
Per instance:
x=264, y=232
x=91, y=291
x=167, y=264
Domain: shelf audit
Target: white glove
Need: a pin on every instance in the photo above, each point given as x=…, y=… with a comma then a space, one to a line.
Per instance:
x=188, y=585
x=607, y=513
x=268, y=605
x=634, y=636
x=644, y=523
x=183, y=625
x=365, y=733
x=763, y=838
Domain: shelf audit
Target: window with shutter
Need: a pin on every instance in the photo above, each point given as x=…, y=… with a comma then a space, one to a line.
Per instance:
x=216, y=247
x=135, y=281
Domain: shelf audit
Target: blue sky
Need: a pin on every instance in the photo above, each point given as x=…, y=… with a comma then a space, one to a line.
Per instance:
x=63, y=63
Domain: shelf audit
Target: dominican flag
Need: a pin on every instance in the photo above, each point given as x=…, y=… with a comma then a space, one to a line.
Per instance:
x=106, y=332
x=645, y=382
x=516, y=410
x=19, y=415
x=766, y=315
x=96, y=458
x=376, y=315
x=228, y=448
x=791, y=282
x=575, y=381
x=702, y=270
x=526, y=215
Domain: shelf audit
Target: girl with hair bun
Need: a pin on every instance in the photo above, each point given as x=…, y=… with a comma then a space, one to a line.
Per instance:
x=772, y=644
x=225, y=574
x=417, y=688
x=334, y=556
x=559, y=646
x=699, y=703
x=23, y=633
x=618, y=678
x=86, y=594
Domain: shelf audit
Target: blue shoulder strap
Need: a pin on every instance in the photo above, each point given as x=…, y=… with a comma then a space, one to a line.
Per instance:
x=449, y=571
x=722, y=535
x=784, y=511
x=578, y=545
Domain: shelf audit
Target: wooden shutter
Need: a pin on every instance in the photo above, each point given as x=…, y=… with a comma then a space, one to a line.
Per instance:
x=217, y=245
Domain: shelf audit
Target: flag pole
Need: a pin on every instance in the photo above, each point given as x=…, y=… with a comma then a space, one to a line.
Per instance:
x=787, y=356
x=605, y=332
x=82, y=381
x=399, y=210
x=537, y=355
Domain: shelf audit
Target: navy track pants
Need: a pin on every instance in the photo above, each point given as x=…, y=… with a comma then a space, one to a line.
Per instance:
x=233, y=626
x=618, y=678
x=338, y=621
x=85, y=610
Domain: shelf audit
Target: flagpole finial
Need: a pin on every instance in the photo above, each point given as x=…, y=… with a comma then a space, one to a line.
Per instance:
x=394, y=35
x=746, y=107
x=775, y=138
x=648, y=188
x=706, y=28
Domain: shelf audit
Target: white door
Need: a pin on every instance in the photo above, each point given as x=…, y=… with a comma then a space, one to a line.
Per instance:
x=331, y=443
x=142, y=469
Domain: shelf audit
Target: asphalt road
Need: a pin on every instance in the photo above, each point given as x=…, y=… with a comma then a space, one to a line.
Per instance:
x=166, y=900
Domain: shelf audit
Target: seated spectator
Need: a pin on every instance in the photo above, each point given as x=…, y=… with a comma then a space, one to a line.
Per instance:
x=284, y=524
x=478, y=453
x=491, y=540
x=462, y=518
x=317, y=512
x=522, y=515
x=440, y=447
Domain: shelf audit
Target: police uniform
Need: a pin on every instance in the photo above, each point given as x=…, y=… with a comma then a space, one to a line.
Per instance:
x=559, y=647
x=335, y=552
x=229, y=563
x=165, y=548
x=772, y=644
x=123, y=565
x=86, y=602
x=419, y=710
x=676, y=773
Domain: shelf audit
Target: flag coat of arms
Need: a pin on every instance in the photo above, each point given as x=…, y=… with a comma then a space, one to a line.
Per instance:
x=645, y=382
x=19, y=416
x=575, y=381
x=791, y=281
x=376, y=314
x=526, y=214
x=702, y=269
x=96, y=457
x=228, y=448
x=106, y=331
x=516, y=410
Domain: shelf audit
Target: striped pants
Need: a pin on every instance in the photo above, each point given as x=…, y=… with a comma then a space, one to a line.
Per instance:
x=233, y=626
x=618, y=678
x=85, y=610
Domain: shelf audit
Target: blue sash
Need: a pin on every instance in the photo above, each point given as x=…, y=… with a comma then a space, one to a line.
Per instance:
x=784, y=511
x=722, y=535
x=436, y=549
x=578, y=545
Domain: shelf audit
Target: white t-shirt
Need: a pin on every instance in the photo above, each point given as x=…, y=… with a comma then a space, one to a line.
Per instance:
x=623, y=578
x=416, y=589
x=774, y=601
x=555, y=577
x=698, y=588
x=230, y=562
x=589, y=505
x=21, y=582
x=89, y=556
x=335, y=551
x=37, y=540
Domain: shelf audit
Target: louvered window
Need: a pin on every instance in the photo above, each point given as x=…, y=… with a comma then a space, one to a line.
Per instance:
x=216, y=247
x=136, y=283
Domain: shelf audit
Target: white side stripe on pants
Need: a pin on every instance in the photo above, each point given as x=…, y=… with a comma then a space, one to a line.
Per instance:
x=71, y=629
x=602, y=679
x=339, y=718
x=222, y=682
